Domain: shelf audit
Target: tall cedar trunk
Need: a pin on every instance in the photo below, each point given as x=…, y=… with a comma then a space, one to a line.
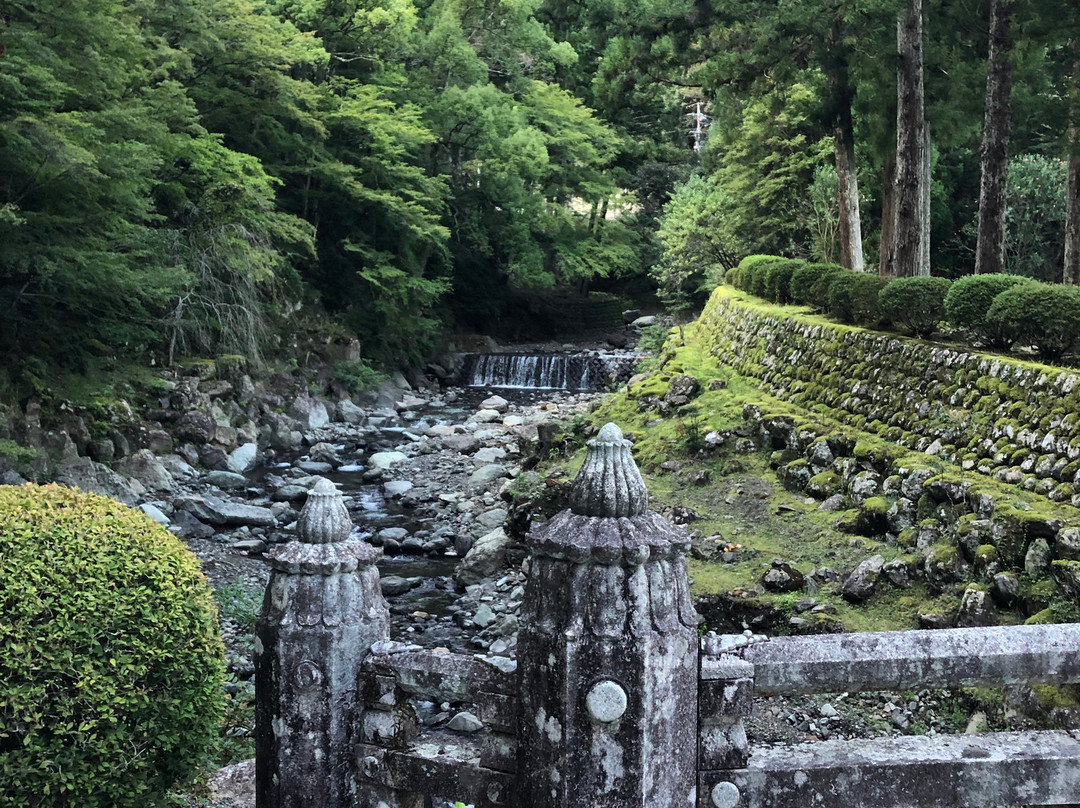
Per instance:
x=888, y=215
x=910, y=252
x=847, y=180
x=990, y=250
x=1071, y=273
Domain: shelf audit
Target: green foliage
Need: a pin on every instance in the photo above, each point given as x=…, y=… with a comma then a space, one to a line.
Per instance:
x=653, y=338
x=357, y=375
x=853, y=298
x=810, y=283
x=916, y=304
x=1038, y=314
x=969, y=300
x=696, y=234
x=824, y=216
x=1035, y=217
x=752, y=272
x=765, y=150
x=111, y=668
x=778, y=277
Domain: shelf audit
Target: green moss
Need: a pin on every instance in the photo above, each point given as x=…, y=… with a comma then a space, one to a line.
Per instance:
x=876, y=505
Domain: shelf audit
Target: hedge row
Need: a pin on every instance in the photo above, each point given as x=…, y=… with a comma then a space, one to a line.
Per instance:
x=994, y=311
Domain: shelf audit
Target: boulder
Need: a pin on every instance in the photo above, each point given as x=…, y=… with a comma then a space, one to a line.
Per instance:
x=782, y=577
x=1037, y=559
x=215, y=511
x=976, y=610
x=349, y=413
x=384, y=460
x=483, y=416
x=483, y=477
x=682, y=390
x=310, y=413
x=860, y=584
x=465, y=444
x=242, y=458
x=144, y=466
x=489, y=454
x=485, y=558
x=155, y=513
x=86, y=475
x=228, y=480
x=397, y=488
x=497, y=403
x=393, y=585
x=195, y=427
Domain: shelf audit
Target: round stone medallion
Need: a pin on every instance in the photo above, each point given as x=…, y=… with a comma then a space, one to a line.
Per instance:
x=606, y=702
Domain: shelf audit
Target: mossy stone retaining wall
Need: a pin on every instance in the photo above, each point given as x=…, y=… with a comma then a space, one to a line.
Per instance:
x=1017, y=422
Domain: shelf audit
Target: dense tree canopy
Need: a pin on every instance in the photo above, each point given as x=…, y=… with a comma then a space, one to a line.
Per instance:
x=173, y=176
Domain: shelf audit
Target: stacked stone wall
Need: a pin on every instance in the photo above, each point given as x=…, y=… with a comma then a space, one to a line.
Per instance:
x=1017, y=422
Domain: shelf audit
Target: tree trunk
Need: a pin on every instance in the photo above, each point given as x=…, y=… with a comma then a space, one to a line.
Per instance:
x=847, y=181
x=1071, y=273
x=888, y=215
x=990, y=250
x=910, y=253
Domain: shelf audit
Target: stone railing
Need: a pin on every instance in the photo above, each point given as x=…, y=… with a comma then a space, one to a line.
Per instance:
x=614, y=701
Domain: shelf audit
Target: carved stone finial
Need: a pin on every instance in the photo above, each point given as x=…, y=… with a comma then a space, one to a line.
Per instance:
x=609, y=483
x=324, y=518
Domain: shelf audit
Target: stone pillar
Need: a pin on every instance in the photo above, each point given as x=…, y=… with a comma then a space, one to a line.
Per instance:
x=608, y=649
x=322, y=611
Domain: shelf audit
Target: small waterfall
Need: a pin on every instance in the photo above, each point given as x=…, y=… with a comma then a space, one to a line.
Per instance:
x=576, y=372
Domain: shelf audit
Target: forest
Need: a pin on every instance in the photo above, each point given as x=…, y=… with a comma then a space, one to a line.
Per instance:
x=190, y=177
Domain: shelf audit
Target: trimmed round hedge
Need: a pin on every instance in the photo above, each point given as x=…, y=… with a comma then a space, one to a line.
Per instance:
x=970, y=298
x=1039, y=314
x=810, y=284
x=853, y=298
x=917, y=304
x=111, y=665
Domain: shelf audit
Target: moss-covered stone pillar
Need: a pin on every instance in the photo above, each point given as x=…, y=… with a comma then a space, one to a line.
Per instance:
x=322, y=611
x=608, y=649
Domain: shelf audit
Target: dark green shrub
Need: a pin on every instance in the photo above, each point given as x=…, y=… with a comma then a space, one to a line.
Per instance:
x=969, y=300
x=1041, y=314
x=110, y=654
x=778, y=279
x=357, y=375
x=733, y=278
x=917, y=304
x=752, y=272
x=810, y=284
x=853, y=298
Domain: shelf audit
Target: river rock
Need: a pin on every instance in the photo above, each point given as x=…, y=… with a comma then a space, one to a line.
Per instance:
x=144, y=466
x=860, y=584
x=385, y=460
x=413, y=545
x=349, y=413
x=489, y=454
x=314, y=467
x=86, y=475
x=242, y=458
x=178, y=467
x=465, y=722
x=228, y=480
x=393, y=585
x=397, y=488
x=485, y=558
x=394, y=534
x=483, y=477
x=513, y=421
x=290, y=493
x=186, y=526
x=465, y=444
x=489, y=520
x=213, y=457
x=155, y=513
x=497, y=403
x=310, y=413
x=215, y=511
x=484, y=616
x=645, y=321
x=486, y=416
